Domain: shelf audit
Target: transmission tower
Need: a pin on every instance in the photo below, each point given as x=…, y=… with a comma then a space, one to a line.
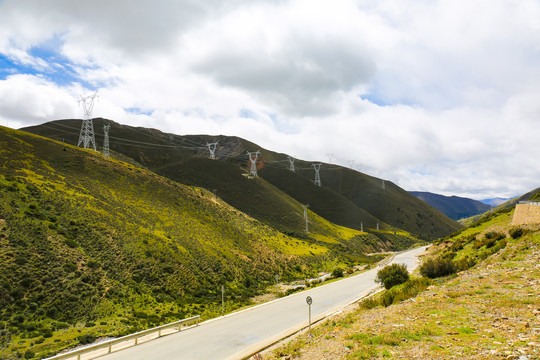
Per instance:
x=383, y=185
x=317, y=167
x=351, y=164
x=361, y=226
x=212, y=149
x=330, y=157
x=86, y=136
x=291, y=163
x=305, y=215
x=253, y=156
x=106, y=140
x=377, y=226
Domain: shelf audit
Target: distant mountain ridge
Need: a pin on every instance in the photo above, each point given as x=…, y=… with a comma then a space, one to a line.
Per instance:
x=454, y=207
x=495, y=201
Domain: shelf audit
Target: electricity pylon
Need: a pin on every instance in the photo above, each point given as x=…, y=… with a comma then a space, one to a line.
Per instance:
x=305, y=215
x=317, y=167
x=106, y=140
x=86, y=136
x=253, y=160
x=212, y=149
x=383, y=185
x=291, y=163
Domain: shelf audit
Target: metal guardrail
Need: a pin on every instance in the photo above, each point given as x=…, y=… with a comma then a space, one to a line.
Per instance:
x=132, y=338
x=536, y=203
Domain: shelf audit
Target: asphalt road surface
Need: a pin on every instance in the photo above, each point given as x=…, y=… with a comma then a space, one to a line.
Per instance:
x=241, y=334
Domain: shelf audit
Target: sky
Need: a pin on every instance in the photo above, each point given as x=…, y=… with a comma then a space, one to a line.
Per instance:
x=433, y=95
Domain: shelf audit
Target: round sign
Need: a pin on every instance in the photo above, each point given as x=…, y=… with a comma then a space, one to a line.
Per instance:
x=309, y=300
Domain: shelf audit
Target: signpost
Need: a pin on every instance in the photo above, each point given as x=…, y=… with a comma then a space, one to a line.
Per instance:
x=309, y=301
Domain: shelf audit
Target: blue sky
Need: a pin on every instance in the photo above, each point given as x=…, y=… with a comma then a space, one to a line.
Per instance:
x=437, y=96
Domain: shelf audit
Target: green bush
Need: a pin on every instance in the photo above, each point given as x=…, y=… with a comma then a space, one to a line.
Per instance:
x=86, y=339
x=396, y=294
x=434, y=268
x=516, y=233
x=337, y=273
x=392, y=275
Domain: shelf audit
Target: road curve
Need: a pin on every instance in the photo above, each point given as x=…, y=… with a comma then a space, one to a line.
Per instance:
x=240, y=334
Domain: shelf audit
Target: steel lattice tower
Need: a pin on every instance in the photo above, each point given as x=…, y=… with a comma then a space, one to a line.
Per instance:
x=317, y=167
x=253, y=160
x=212, y=149
x=291, y=163
x=86, y=136
x=106, y=140
x=305, y=215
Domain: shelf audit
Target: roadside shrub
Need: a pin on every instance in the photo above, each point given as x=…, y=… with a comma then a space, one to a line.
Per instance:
x=86, y=339
x=392, y=275
x=337, y=273
x=396, y=294
x=516, y=233
x=464, y=263
x=434, y=268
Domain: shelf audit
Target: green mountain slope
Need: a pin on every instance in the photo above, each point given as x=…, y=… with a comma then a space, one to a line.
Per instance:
x=92, y=247
x=347, y=197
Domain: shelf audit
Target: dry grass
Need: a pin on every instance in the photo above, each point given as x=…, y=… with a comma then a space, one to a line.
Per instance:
x=490, y=311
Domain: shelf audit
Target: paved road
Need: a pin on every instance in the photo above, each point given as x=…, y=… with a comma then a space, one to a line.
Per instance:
x=240, y=334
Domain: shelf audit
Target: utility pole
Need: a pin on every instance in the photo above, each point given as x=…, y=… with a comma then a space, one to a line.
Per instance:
x=106, y=140
x=212, y=149
x=305, y=215
x=291, y=163
x=86, y=136
x=317, y=167
x=253, y=156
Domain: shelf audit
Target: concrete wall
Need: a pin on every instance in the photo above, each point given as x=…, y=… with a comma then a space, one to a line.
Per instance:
x=526, y=214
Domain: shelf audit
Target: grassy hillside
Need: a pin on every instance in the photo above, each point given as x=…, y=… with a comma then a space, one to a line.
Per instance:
x=92, y=247
x=347, y=197
x=488, y=310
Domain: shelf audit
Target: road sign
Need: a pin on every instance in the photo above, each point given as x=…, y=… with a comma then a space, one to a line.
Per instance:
x=309, y=301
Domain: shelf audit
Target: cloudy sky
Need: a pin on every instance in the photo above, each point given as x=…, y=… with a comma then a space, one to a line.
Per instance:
x=434, y=95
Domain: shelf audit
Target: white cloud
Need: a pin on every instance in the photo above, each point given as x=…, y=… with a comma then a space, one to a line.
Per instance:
x=439, y=95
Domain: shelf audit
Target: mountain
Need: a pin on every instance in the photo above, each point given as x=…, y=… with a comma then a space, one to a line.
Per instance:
x=495, y=201
x=454, y=207
x=93, y=247
x=346, y=197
